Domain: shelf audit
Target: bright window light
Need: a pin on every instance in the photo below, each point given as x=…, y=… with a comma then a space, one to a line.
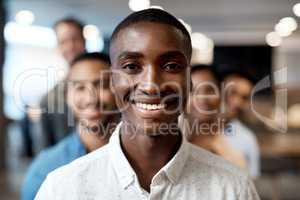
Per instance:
x=29, y=35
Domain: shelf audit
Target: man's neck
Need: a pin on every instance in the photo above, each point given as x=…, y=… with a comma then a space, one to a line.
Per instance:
x=148, y=154
x=198, y=133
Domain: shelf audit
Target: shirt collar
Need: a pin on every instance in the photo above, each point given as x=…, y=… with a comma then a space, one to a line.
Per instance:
x=175, y=166
x=123, y=169
x=126, y=174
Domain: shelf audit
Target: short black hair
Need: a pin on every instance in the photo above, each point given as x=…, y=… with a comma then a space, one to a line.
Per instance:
x=238, y=72
x=70, y=20
x=91, y=56
x=156, y=16
x=210, y=68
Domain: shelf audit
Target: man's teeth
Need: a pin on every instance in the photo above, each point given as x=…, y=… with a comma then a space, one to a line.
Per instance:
x=147, y=106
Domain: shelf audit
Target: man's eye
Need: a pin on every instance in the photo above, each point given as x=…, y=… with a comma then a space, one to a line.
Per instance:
x=131, y=68
x=80, y=88
x=172, y=67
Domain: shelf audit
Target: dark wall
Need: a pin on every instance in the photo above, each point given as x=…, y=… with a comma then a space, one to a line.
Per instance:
x=255, y=60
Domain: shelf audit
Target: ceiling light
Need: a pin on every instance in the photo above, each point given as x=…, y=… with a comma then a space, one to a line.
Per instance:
x=24, y=17
x=289, y=23
x=90, y=32
x=282, y=30
x=286, y=26
x=137, y=5
x=273, y=39
x=201, y=42
x=296, y=9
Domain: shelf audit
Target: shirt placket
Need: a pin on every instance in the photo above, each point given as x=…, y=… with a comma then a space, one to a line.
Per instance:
x=157, y=187
x=137, y=189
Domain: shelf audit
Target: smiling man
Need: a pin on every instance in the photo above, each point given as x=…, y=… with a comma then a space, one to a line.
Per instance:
x=89, y=103
x=204, y=123
x=147, y=156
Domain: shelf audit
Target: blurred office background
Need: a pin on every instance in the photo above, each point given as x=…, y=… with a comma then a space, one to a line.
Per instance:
x=261, y=36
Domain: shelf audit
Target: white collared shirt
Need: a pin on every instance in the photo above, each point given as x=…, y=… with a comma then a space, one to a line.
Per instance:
x=105, y=174
x=244, y=140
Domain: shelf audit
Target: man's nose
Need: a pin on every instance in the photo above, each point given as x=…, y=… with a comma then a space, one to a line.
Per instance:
x=92, y=96
x=151, y=81
x=237, y=101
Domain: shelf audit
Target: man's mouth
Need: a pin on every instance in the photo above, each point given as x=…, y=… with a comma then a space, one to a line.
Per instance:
x=154, y=107
x=148, y=106
x=149, y=110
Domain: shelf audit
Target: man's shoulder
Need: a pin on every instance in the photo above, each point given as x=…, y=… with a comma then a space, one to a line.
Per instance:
x=81, y=173
x=241, y=127
x=247, y=134
x=216, y=177
x=62, y=149
x=209, y=162
x=55, y=155
x=241, y=131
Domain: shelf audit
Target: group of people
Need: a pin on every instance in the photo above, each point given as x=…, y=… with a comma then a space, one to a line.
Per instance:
x=149, y=124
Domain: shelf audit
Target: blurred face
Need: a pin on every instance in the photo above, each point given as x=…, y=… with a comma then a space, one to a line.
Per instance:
x=70, y=41
x=88, y=92
x=150, y=66
x=238, y=91
x=204, y=99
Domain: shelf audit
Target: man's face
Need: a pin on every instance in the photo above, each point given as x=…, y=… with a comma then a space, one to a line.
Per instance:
x=204, y=99
x=150, y=66
x=88, y=93
x=238, y=91
x=70, y=41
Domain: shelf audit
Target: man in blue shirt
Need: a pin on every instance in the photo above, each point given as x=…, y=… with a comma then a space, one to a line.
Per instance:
x=238, y=88
x=92, y=102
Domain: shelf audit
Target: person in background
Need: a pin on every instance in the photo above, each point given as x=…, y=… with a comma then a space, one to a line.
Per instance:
x=54, y=119
x=70, y=39
x=89, y=97
x=147, y=156
x=204, y=124
x=238, y=86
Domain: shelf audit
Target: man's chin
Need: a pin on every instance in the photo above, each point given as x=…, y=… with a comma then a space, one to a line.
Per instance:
x=159, y=128
x=231, y=115
x=91, y=122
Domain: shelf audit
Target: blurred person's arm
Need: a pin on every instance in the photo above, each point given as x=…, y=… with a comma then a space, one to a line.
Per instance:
x=254, y=158
x=33, y=179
